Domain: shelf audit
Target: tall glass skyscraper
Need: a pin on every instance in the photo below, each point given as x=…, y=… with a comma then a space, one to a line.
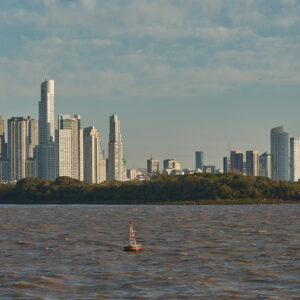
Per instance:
x=199, y=158
x=280, y=153
x=46, y=153
x=115, y=155
x=265, y=165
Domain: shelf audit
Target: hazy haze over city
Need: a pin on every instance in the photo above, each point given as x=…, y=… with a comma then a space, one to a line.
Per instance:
x=181, y=75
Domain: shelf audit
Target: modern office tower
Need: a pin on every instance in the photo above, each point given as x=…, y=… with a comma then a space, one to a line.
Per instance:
x=94, y=163
x=199, y=157
x=171, y=164
x=4, y=176
x=46, y=149
x=152, y=165
x=280, y=153
x=252, y=162
x=3, y=145
x=209, y=169
x=295, y=158
x=226, y=164
x=73, y=125
x=124, y=170
x=17, y=147
x=236, y=161
x=115, y=155
x=32, y=138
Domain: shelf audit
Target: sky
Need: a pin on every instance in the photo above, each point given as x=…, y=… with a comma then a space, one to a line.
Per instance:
x=182, y=75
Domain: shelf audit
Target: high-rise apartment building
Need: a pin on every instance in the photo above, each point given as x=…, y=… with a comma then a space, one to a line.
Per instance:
x=115, y=155
x=236, y=161
x=226, y=164
x=71, y=141
x=199, y=159
x=3, y=145
x=94, y=163
x=171, y=164
x=252, y=162
x=295, y=158
x=265, y=165
x=152, y=165
x=17, y=147
x=46, y=149
x=280, y=153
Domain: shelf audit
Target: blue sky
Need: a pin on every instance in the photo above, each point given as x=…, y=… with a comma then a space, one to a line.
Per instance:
x=183, y=75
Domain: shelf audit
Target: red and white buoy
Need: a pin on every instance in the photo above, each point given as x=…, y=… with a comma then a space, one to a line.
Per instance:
x=132, y=242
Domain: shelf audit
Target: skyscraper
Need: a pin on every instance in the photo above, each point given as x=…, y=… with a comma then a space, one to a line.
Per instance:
x=199, y=158
x=226, y=164
x=3, y=145
x=32, y=137
x=152, y=165
x=94, y=163
x=46, y=150
x=252, y=162
x=265, y=165
x=280, y=153
x=17, y=147
x=236, y=161
x=171, y=164
x=115, y=155
x=75, y=145
x=295, y=158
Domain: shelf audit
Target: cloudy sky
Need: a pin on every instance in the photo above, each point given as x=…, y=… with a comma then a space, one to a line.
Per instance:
x=183, y=75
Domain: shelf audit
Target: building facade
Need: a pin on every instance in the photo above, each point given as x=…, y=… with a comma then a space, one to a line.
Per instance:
x=94, y=163
x=226, y=164
x=236, y=161
x=115, y=151
x=252, y=162
x=46, y=149
x=295, y=158
x=73, y=125
x=152, y=166
x=171, y=164
x=199, y=160
x=280, y=153
x=265, y=165
x=3, y=145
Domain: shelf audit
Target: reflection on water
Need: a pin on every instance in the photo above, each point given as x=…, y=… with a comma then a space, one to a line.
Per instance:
x=207, y=252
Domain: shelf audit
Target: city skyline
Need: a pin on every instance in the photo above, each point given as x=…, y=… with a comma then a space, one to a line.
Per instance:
x=221, y=73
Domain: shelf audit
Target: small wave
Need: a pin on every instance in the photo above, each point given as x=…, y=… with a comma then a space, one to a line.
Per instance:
x=25, y=243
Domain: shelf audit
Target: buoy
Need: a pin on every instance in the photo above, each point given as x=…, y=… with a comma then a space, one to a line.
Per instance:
x=132, y=242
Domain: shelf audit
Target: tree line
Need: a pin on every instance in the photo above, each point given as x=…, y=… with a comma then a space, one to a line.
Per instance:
x=197, y=188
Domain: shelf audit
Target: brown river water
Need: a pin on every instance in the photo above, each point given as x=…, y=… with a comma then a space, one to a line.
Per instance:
x=190, y=252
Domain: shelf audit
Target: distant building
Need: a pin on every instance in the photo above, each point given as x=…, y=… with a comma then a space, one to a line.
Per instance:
x=236, y=161
x=131, y=174
x=199, y=159
x=94, y=163
x=226, y=164
x=209, y=169
x=265, y=165
x=4, y=176
x=152, y=165
x=69, y=149
x=280, y=153
x=295, y=158
x=171, y=164
x=3, y=145
x=252, y=162
x=46, y=148
x=17, y=147
x=115, y=152
x=31, y=167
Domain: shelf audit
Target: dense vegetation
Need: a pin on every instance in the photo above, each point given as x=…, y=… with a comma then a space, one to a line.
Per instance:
x=198, y=188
